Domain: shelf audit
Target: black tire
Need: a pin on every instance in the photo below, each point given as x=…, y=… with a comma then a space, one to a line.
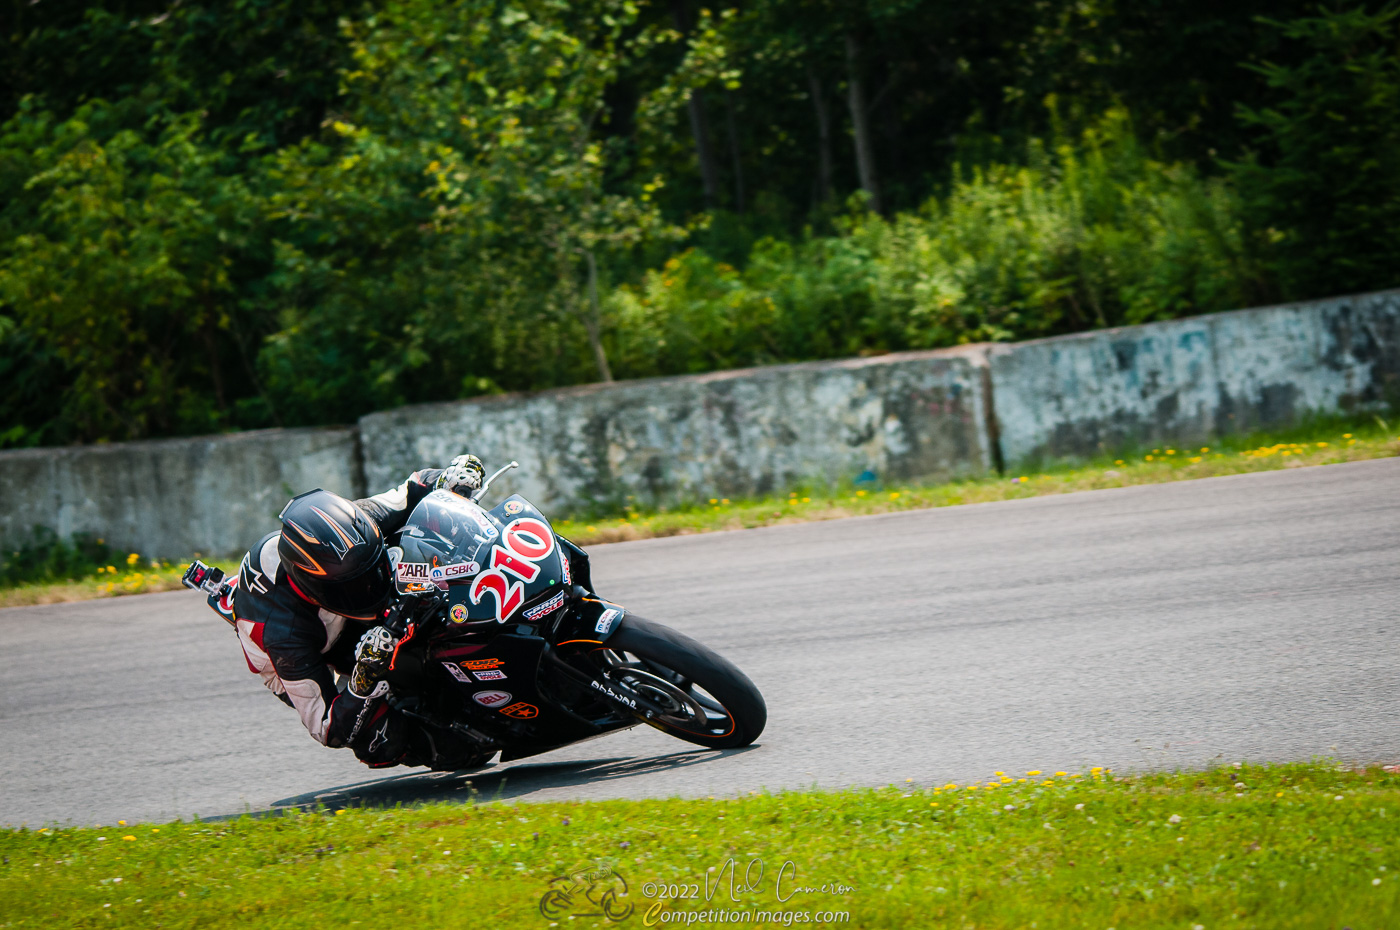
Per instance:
x=691, y=666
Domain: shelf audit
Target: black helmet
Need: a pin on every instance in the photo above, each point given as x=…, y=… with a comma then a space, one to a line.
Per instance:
x=334, y=555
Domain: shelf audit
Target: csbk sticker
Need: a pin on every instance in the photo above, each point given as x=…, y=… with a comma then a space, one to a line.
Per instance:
x=457, y=673
x=491, y=698
x=524, y=544
x=545, y=609
x=446, y=573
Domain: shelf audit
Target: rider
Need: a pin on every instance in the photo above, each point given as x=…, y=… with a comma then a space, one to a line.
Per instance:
x=306, y=593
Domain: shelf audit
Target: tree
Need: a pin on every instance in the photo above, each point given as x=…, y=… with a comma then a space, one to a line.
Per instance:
x=1323, y=183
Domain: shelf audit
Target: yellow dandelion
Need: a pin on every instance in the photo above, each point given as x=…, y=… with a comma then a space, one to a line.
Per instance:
x=971, y=787
x=121, y=823
x=1279, y=795
x=133, y=559
x=1147, y=457
x=933, y=804
x=1171, y=452
x=860, y=494
x=1033, y=772
x=128, y=838
x=998, y=774
x=1117, y=461
x=1346, y=435
x=1047, y=782
x=714, y=500
x=1205, y=448
x=724, y=501
x=894, y=495
x=1061, y=774
x=806, y=500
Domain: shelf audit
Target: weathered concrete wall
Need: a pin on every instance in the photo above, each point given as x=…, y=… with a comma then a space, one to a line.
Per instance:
x=1189, y=380
x=918, y=415
x=727, y=434
x=170, y=498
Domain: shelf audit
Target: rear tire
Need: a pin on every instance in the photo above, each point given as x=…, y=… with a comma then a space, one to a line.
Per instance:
x=730, y=715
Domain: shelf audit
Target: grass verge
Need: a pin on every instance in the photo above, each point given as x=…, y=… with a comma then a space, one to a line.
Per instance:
x=1304, y=845
x=1316, y=444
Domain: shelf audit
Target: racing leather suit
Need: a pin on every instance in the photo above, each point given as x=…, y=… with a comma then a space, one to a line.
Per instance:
x=297, y=648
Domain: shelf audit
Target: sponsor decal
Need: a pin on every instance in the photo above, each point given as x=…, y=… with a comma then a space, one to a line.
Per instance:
x=489, y=674
x=513, y=507
x=564, y=570
x=521, y=711
x=614, y=695
x=418, y=587
x=457, y=570
x=491, y=698
x=545, y=609
x=475, y=664
x=413, y=571
x=483, y=521
x=457, y=673
x=459, y=613
x=524, y=544
x=606, y=620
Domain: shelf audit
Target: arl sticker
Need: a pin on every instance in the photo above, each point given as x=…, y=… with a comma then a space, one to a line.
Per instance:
x=475, y=664
x=459, y=613
x=457, y=673
x=491, y=698
x=489, y=674
x=521, y=711
x=545, y=609
x=524, y=544
x=414, y=571
x=606, y=621
x=614, y=695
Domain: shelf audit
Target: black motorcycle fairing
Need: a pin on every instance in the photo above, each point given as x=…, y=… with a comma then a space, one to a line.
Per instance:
x=592, y=620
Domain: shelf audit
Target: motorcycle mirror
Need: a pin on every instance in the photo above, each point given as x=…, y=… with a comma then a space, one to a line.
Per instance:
x=480, y=492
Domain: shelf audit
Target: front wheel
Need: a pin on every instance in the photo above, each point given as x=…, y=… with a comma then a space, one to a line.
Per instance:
x=704, y=697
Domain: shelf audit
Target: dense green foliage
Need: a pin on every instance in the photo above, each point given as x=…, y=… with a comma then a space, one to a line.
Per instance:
x=220, y=216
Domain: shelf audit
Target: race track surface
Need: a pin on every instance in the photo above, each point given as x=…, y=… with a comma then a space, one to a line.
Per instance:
x=1242, y=618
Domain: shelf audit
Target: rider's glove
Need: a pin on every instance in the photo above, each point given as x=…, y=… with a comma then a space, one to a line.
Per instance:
x=463, y=475
x=372, y=656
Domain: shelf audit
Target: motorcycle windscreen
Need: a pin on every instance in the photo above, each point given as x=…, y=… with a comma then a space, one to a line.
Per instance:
x=443, y=541
x=524, y=573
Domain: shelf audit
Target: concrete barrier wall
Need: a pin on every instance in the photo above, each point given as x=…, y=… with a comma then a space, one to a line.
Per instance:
x=170, y=498
x=1189, y=380
x=727, y=434
x=911, y=416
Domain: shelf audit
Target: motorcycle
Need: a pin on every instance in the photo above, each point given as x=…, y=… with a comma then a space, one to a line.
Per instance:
x=504, y=642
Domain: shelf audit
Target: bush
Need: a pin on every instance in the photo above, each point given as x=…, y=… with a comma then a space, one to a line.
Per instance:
x=46, y=558
x=1090, y=232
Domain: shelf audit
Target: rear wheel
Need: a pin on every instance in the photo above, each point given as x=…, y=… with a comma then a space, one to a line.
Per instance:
x=704, y=697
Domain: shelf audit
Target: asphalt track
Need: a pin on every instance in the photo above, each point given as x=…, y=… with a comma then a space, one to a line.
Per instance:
x=1242, y=618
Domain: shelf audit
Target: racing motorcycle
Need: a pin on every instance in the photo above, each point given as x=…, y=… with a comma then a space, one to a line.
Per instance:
x=504, y=642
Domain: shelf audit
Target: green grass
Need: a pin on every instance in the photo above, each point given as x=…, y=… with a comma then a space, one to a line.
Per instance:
x=1318, y=443
x=1306, y=845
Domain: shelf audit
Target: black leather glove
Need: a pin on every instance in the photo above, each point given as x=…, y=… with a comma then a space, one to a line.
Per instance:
x=463, y=475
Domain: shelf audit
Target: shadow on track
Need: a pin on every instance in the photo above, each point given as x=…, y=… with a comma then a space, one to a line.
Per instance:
x=492, y=783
